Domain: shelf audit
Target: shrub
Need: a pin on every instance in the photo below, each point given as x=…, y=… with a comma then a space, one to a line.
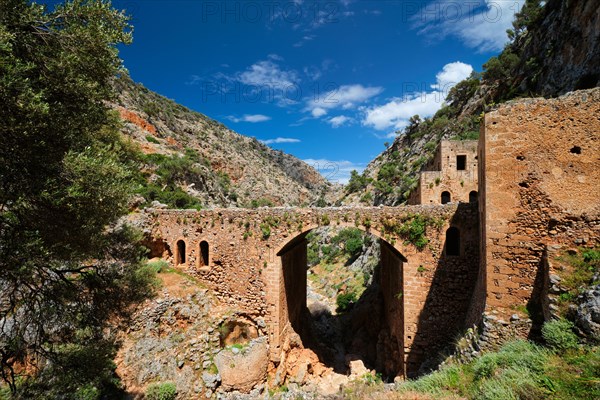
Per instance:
x=152, y=139
x=158, y=265
x=161, y=391
x=414, y=231
x=266, y=230
x=559, y=336
x=262, y=202
x=345, y=301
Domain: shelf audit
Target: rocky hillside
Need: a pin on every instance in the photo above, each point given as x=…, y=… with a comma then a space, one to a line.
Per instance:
x=561, y=51
x=189, y=160
x=555, y=49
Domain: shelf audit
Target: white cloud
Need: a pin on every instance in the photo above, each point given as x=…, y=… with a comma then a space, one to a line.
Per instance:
x=268, y=73
x=318, y=112
x=253, y=118
x=480, y=24
x=451, y=74
x=338, y=121
x=304, y=40
x=396, y=113
x=280, y=140
x=313, y=72
x=335, y=171
x=345, y=97
x=264, y=81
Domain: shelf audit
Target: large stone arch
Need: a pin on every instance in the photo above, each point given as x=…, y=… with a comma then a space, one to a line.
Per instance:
x=288, y=282
x=245, y=268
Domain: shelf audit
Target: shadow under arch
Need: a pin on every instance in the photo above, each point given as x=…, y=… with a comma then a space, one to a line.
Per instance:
x=452, y=297
x=372, y=331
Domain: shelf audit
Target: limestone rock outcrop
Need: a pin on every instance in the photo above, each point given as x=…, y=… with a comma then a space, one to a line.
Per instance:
x=243, y=368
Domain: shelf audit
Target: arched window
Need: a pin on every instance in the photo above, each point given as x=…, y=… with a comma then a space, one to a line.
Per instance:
x=473, y=197
x=446, y=198
x=203, y=260
x=180, y=259
x=453, y=242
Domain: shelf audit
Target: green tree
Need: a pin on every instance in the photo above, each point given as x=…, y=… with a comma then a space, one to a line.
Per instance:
x=528, y=14
x=357, y=182
x=66, y=267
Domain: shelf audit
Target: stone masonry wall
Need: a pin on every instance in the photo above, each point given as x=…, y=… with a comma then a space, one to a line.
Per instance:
x=441, y=174
x=245, y=271
x=539, y=187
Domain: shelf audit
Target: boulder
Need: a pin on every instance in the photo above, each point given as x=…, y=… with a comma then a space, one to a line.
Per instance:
x=246, y=369
x=587, y=314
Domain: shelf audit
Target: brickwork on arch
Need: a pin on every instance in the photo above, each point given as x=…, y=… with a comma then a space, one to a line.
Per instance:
x=246, y=267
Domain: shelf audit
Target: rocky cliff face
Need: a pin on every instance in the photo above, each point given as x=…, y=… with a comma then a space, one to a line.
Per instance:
x=564, y=46
x=230, y=169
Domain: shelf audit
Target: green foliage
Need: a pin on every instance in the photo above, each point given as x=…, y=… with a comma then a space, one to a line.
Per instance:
x=431, y=146
x=356, y=183
x=559, y=335
x=265, y=229
x=161, y=391
x=321, y=202
x=372, y=379
x=592, y=257
x=66, y=177
x=462, y=92
x=577, y=272
x=520, y=370
x=352, y=240
x=366, y=198
x=83, y=369
x=500, y=68
x=158, y=266
x=262, y=202
x=526, y=17
x=414, y=231
x=152, y=139
x=511, y=373
x=172, y=171
x=345, y=301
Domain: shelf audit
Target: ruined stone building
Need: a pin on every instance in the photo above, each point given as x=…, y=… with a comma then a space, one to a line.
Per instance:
x=530, y=184
x=450, y=177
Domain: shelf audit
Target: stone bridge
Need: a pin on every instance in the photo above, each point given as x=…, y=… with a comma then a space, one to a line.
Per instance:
x=538, y=169
x=255, y=261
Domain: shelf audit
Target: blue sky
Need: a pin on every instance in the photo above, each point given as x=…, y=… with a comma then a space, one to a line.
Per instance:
x=328, y=81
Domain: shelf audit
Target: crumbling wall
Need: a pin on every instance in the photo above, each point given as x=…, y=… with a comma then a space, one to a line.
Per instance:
x=540, y=164
x=247, y=270
x=442, y=174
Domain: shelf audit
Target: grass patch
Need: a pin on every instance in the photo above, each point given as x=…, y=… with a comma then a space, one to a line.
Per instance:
x=520, y=370
x=577, y=273
x=161, y=391
x=152, y=139
x=158, y=266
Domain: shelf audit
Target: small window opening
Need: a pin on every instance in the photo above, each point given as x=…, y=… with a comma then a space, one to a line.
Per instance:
x=204, y=253
x=576, y=150
x=461, y=163
x=473, y=196
x=180, y=252
x=453, y=242
x=446, y=197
